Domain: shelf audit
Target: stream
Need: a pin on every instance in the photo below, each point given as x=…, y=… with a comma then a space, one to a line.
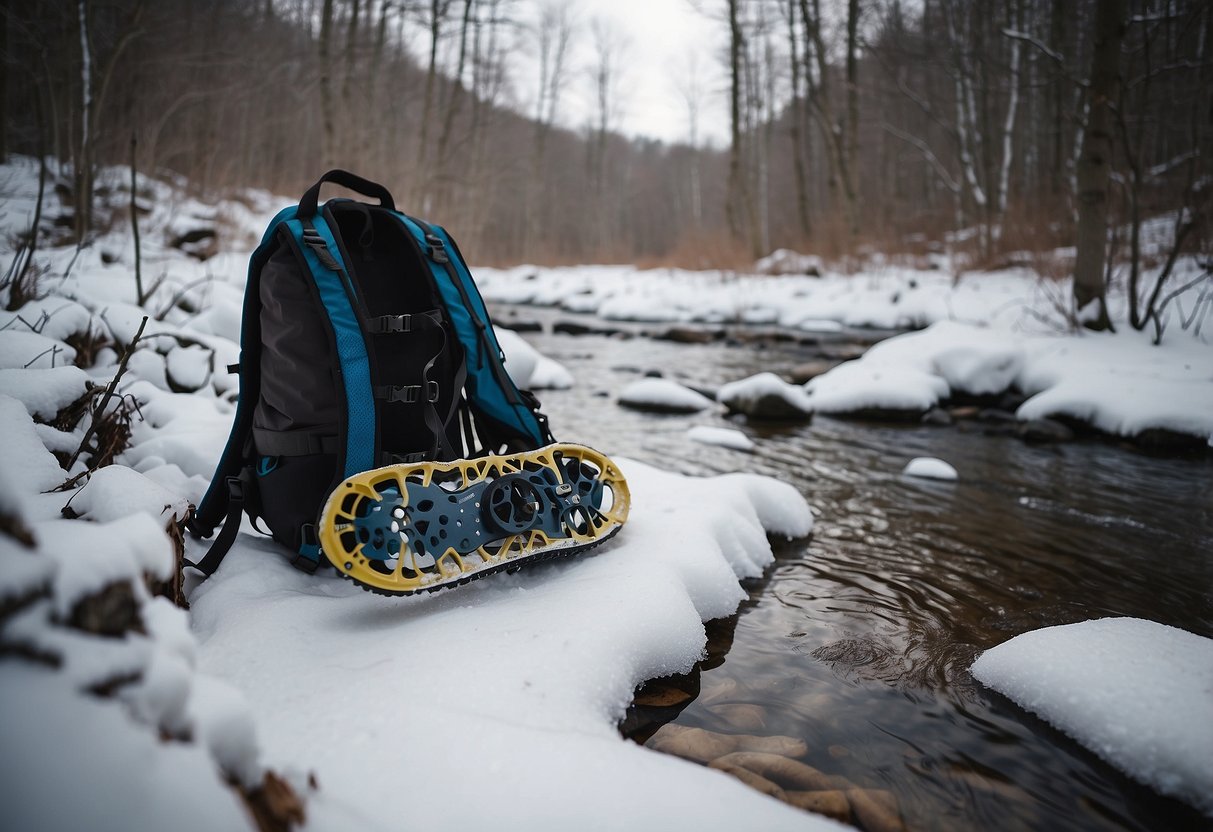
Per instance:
x=859, y=640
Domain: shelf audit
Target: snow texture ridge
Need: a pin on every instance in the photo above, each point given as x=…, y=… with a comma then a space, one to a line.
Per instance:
x=1136, y=693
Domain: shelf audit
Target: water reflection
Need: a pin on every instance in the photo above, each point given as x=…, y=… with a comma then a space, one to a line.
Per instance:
x=860, y=641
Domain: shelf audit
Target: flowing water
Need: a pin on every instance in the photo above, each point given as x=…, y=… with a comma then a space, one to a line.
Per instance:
x=860, y=639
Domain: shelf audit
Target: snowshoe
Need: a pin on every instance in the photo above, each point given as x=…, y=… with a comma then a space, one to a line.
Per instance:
x=423, y=526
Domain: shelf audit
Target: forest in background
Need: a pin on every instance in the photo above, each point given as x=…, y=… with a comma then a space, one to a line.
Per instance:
x=855, y=125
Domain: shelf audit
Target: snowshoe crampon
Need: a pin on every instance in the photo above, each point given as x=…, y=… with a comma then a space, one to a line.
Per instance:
x=423, y=526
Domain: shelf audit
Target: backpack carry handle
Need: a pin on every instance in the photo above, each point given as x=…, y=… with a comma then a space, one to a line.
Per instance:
x=307, y=205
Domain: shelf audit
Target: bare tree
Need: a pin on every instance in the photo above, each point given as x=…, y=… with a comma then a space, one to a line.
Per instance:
x=1094, y=165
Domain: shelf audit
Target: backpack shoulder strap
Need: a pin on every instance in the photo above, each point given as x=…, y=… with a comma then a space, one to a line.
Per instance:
x=487, y=380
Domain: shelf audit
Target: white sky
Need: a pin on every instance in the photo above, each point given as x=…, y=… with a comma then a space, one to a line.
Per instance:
x=664, y=38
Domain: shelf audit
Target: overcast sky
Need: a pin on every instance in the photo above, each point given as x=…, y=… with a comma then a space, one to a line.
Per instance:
x=664, y=39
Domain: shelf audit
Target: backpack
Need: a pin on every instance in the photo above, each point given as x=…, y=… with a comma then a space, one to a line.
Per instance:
x=364, y=342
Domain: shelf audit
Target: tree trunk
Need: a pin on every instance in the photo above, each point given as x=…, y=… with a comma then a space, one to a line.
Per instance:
x=851, y=158
x=1094, y=164
x=326, y=80
x=84, y=161
x=736, y=197
x=798, y=163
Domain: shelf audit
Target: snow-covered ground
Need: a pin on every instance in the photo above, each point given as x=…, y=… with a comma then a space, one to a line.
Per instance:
x=493, y=705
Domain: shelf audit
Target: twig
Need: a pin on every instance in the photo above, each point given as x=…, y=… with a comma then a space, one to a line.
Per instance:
x=109, y=393
x=135, y=230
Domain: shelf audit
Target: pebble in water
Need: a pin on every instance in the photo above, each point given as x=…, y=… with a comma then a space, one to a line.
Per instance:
x=740, y=716
x=704, y=746
x=785, y=772
x=832, y=803
x=876, y=810
x=754, y=781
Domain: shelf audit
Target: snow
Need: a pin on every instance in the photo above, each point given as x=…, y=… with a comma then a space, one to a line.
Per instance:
x=1136, y=693
x=116, y=491
x=30, y=350
x=862, y=385
x=188, y=368
x=44, y=392
x=528, y=368
x=24, y=451
x=120, y=550
x=723, y=437
x=525, y=674
x=928, y=467
x=742, y=395
x=120, y=779
x=663, y=395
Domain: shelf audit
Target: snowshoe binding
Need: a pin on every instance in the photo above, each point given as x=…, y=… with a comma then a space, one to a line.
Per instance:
x=423, y=526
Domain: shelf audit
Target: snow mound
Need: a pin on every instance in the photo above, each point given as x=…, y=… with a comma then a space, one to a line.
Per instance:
x=765, y=394
x=663, y=395
x=527, y=674
x=24, y=451
x=1135, y=692
x=928, y=467
x=724, y=437
x=44, y=392
x=116, y=491
x=873, y=385
x=530, y=369
x=30, y=350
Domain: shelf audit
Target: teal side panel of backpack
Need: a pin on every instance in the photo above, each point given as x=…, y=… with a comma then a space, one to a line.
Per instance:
x=490, y=388
x=351, y=348
x=487, y=380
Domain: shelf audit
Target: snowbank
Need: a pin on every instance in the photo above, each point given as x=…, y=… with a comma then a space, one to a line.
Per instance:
x=1136, y=693
x=1119, y=383
x=526, y=675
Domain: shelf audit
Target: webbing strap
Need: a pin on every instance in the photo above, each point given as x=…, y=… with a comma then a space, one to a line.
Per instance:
x=209, y=562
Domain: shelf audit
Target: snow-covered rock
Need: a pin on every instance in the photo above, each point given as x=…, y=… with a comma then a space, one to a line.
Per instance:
x=928, y=467
x=766, y=396
x=875, y=386
x=723, y=437
x=1137, y=693
x=785, y=261
x=661, y=395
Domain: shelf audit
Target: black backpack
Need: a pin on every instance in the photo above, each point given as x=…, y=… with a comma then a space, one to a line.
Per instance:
x=364, y=343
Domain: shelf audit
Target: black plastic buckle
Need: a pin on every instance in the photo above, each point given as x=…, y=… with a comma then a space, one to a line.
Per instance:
x=437, y=251
x=235, y=489
x=407, y=393
x=316, y=243
x=391, y=323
